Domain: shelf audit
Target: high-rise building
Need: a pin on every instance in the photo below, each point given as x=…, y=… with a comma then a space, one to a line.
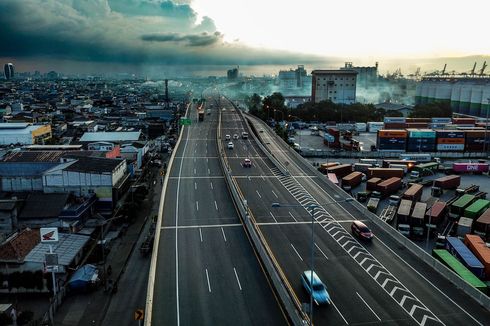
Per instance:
x=232, y=74
x=9, y=71
x=366, y=76
x=338, y=86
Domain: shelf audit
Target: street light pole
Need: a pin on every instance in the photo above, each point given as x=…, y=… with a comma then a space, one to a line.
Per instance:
x=486, y=127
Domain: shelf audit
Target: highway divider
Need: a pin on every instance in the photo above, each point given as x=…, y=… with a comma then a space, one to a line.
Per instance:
x=444, y=271
x=284, y=291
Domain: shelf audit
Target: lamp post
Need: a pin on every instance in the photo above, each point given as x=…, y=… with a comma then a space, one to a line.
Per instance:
x=311, y=209
x=486, y=127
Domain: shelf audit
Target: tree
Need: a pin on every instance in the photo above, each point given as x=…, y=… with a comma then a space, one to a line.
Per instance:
x=435, y=109
x=274, y=102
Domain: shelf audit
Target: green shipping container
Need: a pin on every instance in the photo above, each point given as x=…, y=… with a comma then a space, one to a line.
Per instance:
x=459, y=205
x=422, y=133
x=476, y=209
x=426, y=166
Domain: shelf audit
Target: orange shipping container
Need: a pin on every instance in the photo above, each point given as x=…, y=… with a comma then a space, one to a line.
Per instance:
x=392, y=133
x=480, y=250
x=450, y=140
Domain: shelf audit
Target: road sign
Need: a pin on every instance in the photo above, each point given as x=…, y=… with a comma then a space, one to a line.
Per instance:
x=139, y=314
x=49, y=235
x=185, y=121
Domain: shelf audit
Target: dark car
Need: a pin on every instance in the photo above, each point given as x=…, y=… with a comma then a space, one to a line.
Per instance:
x=361, y=231
x=247, y=163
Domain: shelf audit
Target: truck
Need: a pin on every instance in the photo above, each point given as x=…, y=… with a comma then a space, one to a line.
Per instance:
x=416, y=157
x=476, y=209
x=384, y=173
x=362, y=167
x=389, y=186
x=351, y=180
x=464, y=226
x=403, y=215
x=414, y=193
x=408, y=163
x=435, y=214
x=372, y=183
x=340, y=170
x=372, y=204
x=417, y=220
x=482, y=226
x=470, y=167
x=478, y=247
x=457, y=208
x=425, y=169
x=443, y=183
x=458, y=249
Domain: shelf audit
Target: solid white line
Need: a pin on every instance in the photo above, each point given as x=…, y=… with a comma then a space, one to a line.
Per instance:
x=296, y=252
x=197, y=206
x=194, y=160
x=204, y=226
x=294, y=218
x=237, y=279
x=321, y=251
x=258, y=193
x=223, y=232
x=212, y=185
x=209, y=284
x=345, y=321
x=274, y=193
x=209, y=172
x=215, y=205
x=195, y=185
x=194, y=171
x=200, y=234
x=368, y=306
x=273, y=216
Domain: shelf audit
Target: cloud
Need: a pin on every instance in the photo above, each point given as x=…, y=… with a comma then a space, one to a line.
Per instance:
x=140, y=32
x=203, y=39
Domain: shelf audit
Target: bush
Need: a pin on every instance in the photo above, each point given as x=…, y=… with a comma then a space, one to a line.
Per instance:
x=5, y=319
x=25, y=317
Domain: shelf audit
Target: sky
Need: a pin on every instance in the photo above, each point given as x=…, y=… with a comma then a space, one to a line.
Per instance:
x=139, y=35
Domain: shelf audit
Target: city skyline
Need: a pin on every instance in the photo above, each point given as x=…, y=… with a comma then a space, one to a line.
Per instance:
x=201, y=36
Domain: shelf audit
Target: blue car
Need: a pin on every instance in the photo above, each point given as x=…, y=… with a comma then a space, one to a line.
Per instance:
x=320, y=293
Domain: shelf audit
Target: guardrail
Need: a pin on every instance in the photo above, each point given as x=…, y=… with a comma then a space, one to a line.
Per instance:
x=323, y=153
x=444, y=271
x=284, y=291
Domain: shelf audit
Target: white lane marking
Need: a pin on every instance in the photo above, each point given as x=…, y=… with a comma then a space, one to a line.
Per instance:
x=194, y=160
x=223, y=232
x=263, y=178
x=209, y=171
x=237, y=279
x=205, y=226
x=195, y=185
x=216, y=205
x=274, y=193
x=194, y=171
x=209, y=284
x=258, y=193
x=345, y=321
x=294, y=218
x=296, y=252
x=212, y=185
x=368, y=306
x=207, y=160
x=324, y=255
x=200, y=234
x=197, y=206
x=273, y=216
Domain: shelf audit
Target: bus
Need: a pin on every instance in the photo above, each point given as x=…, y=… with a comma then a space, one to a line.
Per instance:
x=416, y=157
x=458, y=207
x=450, y=261
x=372, y=161
x=458, y=249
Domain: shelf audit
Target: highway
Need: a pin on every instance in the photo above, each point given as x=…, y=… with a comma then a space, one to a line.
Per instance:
x=376, y=283
x=206, y=270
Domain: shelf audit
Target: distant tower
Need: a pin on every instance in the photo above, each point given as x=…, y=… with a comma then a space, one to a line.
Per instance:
x=9, y=71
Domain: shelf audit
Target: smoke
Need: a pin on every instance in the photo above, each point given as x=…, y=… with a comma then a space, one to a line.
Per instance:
x=399, y=91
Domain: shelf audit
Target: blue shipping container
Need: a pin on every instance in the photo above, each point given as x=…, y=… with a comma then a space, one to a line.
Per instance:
x=457, y=248
x=450, y=134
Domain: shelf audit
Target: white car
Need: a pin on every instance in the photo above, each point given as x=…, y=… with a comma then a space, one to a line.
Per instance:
x=230, y=145
x=227, y=137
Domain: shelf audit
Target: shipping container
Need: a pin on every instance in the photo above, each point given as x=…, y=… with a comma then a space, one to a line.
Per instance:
x=340, y=170
x=464, y=121
x=478, y=247
x=375, y=126
x=392, y=133
x=389, y=186
x=371, y=183
x=441, y=120
x=449, y=134
x=391, y=144
x=361, y=126
x=470, y=167
x=323, y=168
x=399, y=166
x=362, y=167
x=417, y=220
x=419, y=158
x=394, y=125
x=456, y=266
x=436, y=213
x=464, y=226
x=416, y=125
x=450, y=147
x=450, y=141
x=482, y=225
x=403, y=212
x=385, y=173
x=448, y=182
x=394, y=119
x=407, y=163
x=372, y=161
x=457, y=248
x=414, y=193
x=421, y=133
x=476, y=209
x=333, y=178
x=372, y=204
x=352, y=180
x=432, y=166
x=418, y=119
x=457, y=208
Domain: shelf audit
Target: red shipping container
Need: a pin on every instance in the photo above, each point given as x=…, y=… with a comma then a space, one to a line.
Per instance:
x=389, y=186
x=448, y=182
x=480, y=250
x=470, y=167
x=341, y=170
x=371, y=183
x=392, y=133
x=395, y=125
x=385, y=173
x=450, y=141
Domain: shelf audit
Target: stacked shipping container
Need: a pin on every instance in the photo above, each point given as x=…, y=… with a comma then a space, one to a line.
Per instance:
x=421, y=140
x=391, y=140
x=475, y=139
x=448, y=140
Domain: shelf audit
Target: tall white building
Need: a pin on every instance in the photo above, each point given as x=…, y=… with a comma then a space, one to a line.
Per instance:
x=338, y=86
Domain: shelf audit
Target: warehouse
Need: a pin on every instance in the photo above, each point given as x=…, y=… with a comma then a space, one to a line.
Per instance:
x=24, y=133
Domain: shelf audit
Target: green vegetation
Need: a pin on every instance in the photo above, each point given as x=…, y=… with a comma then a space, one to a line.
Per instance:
x=434, y=109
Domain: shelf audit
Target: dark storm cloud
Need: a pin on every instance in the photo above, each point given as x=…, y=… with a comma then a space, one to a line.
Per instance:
x=203, y=39
x=122, y=31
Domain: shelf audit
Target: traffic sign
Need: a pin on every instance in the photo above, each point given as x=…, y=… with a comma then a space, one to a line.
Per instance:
x=185, y=121
x=139, y=314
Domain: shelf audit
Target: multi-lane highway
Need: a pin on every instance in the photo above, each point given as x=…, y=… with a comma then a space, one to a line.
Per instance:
x=377, y=283
x=206, y=272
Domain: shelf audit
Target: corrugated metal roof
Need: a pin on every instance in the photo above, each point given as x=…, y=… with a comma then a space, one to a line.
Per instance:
x=34, y=156
x=67, y=248
x=111, y=136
